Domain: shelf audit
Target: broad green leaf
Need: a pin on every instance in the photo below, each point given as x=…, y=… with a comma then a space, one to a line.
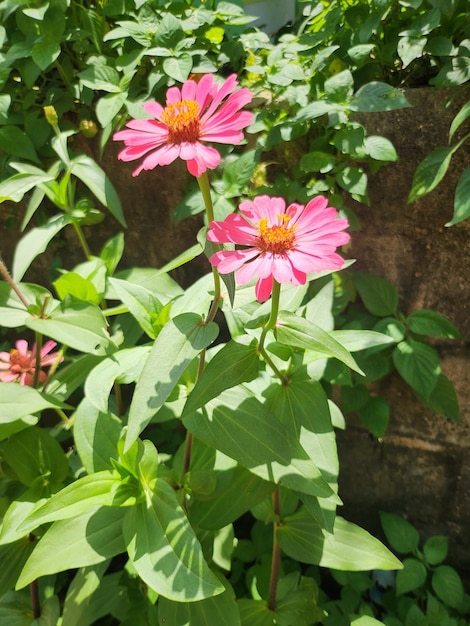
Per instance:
x=100, y=489
x=461, y=199
x=164, y=550
x=22, y=506
x=124, y=366
x=366, y=620
x=18, y=401
x=15, y=142
x=75, y=285
x=179, y=67
x=458, y=120
x=72, y=376
x=353, y=180
x=296, y=601
x=34, y=243
x=235, y=489
x=354, y=340
x=44, y=54
x=86, y=539
x=400, y=534
x=431, y=323
x=10, y=428
x=411, y=577
x=448, y=586
x=380, y=148
x=13, y=557
x=418, y=364
x=97, y=181
x=300, y=333
x=410, y=48
x=109, y=106
x=302, y=407
x=380, y=297
x=77, y=324
x=112, y=251
x=16, y=186
x=141, y=302
x=316, y=109
x=255, y=613
x=443, y=398
x=96, y=435
x=91, y=595
x=101, y=78
x=179, y=342
x=13, y=312
x=34, y=455
x=351, y=547
x=375, y=414
x=234, y=364
x=220, y=609
x=377, y=96
x=155, y=280
x=431, y=171
x=435, y=549
x=237, y=424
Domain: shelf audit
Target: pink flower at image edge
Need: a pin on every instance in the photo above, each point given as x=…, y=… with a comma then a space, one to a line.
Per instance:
x=277, y=243
x=197, y=113
x=20, y=364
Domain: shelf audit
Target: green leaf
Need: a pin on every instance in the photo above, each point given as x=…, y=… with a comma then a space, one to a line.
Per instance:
x=35, y=456
x=179, y=342
x=221, y=609
x=142, y=304
x=411, y=577
x=77, y=324
x=302, y=407
x=109, y=106
x=443, y=398
x=431, y=171
x=34, y=243
x=44, y=54
x=79, y=497
x=13, y=557
x=234, y=364
x=351, y=548
x=97, y=181
x=96, y=436
x=16, y=186
x=461, y=199
x=448, y=586
x=400, y=534
x=410, y=48
x=380, y=297
x=124, y=366
x=164, y=550
x=112, y=252
x=366, y=620
x=380, y=148
x=377, y=96
x=254, y=613
x=100, y=78
x=418, y=364
x=355, y=340
x=430, y=323
x=17, y=401
x=15, y=142
x=238, y=425
x=86, y=539
x=353, y=180
x=300, y=333
x=435, y=549
x=296, y=601
x=12, y=311
x=236, y=489
x=458, y=120
x=316, y=109
x=75, y=285
x=178, y=67
x=375, y=414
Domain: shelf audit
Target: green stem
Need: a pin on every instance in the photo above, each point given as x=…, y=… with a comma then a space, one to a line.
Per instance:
x=37, y=364
x=276, y=555
x=7, y=277
x=270, y=324
x=34, y=595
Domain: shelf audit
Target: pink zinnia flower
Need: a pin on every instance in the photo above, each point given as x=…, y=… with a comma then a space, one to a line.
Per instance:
x=199, y=112
x=20, y=364
x=281, y=245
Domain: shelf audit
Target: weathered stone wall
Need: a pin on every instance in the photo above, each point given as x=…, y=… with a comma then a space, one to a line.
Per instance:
x=421, y=469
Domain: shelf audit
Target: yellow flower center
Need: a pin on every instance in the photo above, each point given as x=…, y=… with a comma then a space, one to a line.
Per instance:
x=20, y=362
x=182, y=120
x=277, y=239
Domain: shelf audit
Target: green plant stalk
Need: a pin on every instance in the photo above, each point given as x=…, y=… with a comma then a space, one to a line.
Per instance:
x=34, y=594
x=37, y=364
x=269, y=326
x=7, y=277
x=276, y=555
